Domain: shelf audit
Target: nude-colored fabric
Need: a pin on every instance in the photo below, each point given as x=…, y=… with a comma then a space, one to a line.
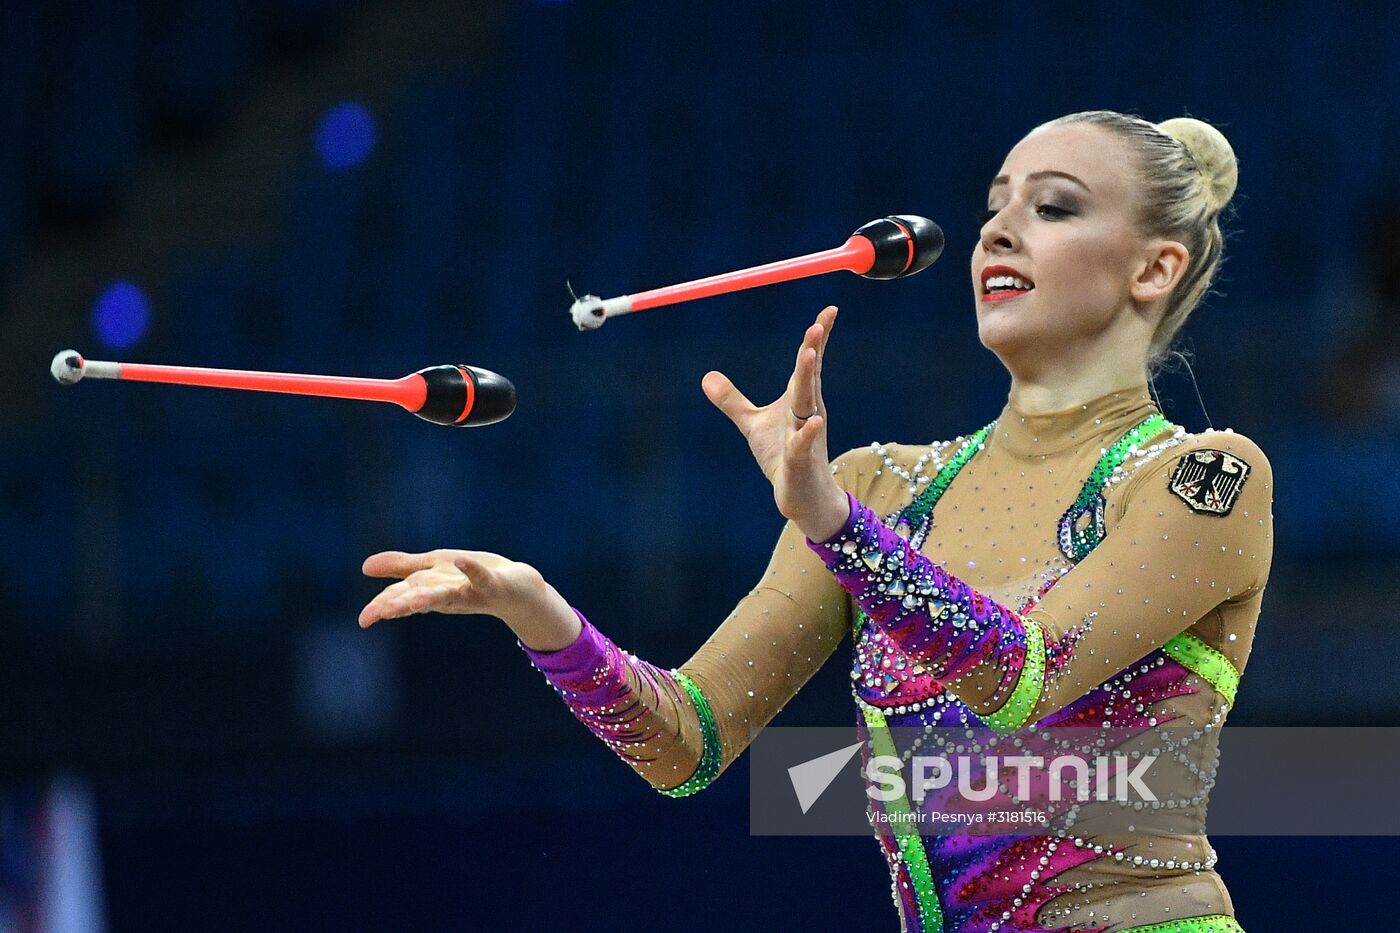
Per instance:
x=771, y=644
x=1215, y=576
x=1163, y=568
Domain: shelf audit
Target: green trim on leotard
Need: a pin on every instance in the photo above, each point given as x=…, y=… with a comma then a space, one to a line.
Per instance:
x=1215, y=923
x=708, y=768
x=1205, y=661
x=1013, y=715
x=910, y=841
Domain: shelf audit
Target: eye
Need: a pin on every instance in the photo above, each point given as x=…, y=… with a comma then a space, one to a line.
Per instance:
x=1051, y=212
x=987, y=215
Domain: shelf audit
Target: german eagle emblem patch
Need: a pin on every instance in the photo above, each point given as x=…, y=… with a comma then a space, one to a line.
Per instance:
x=1209, y=480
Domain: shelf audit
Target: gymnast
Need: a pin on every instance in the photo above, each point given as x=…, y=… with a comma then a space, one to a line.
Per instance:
x=1077, y=560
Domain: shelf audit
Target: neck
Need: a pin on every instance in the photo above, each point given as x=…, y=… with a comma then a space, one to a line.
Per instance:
x=1084, y=419
x=1034, y=397
x=1055, y=385
x=1053, y=375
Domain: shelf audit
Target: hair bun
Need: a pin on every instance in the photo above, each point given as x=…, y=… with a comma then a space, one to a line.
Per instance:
x=1213, y=155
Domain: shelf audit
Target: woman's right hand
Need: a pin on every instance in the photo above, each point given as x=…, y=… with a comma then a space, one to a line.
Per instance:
x=788, y=437
x=470, y=583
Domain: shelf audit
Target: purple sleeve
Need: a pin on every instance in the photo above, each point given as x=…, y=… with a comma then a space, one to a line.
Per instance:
x=591, y=674
x=929, y=613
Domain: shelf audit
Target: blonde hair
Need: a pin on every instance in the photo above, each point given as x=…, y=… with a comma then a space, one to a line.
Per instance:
x=1188, y=174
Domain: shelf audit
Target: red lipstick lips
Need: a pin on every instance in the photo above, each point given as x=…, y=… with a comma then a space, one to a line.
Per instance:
x=1003, y=293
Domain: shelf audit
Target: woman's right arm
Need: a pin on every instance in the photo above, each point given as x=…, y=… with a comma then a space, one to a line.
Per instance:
x=678, y=728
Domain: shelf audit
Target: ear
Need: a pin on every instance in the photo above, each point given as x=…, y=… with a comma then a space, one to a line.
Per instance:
x=1163, y=264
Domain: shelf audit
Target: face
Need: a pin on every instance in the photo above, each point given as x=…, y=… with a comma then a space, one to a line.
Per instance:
x=1060, y=249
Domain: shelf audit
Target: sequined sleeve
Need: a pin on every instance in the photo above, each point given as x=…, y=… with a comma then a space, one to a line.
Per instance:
x=680, y=728
x=1176, y=553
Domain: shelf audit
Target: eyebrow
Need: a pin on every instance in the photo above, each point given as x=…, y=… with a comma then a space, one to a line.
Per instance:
x=1003, y=179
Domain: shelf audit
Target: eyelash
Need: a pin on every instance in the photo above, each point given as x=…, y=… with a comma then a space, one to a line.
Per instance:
x=1058, y=213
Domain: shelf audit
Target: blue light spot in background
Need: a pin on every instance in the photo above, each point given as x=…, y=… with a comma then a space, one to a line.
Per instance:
x=346, y=135
x=121, y=314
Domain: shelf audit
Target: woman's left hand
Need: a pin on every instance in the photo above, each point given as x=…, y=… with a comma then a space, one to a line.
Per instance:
x=788, y=437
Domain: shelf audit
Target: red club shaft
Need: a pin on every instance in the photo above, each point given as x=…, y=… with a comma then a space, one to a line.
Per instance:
x=855, y=255
x=888, y=248
x=408, y=392
x=451, y=394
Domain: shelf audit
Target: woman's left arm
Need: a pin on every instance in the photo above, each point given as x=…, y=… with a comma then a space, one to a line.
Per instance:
x=1196, y=531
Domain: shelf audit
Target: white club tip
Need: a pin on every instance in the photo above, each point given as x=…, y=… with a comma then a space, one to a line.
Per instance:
x=67, y=366
x=589, y=312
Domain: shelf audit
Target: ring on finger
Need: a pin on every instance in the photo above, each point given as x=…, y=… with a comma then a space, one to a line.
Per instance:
x=801, y=419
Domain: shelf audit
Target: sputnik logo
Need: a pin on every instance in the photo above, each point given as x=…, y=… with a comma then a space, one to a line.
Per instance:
x=811, y=778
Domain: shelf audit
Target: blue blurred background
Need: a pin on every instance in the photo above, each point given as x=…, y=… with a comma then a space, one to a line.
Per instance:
x=372, y=187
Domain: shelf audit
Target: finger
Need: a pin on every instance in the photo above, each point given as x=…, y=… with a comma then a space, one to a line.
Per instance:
x=396, y=563
x=426, y=599
x=807, y=439
x=381, y=607
x=811, y=339
x=375, y=611
x=827, y=319
x=405, y=602
x=804, y=451
x=803, y=396
x=726, y=397
x=478, y=574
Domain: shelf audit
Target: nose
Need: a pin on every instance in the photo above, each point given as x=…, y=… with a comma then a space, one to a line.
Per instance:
x=998, y=236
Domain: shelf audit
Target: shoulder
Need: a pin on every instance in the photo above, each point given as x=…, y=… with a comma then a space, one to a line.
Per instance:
x=888, y=473
x=1224, y=439
x=1233, y=450
x=1207, y=472
x=856, y=468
